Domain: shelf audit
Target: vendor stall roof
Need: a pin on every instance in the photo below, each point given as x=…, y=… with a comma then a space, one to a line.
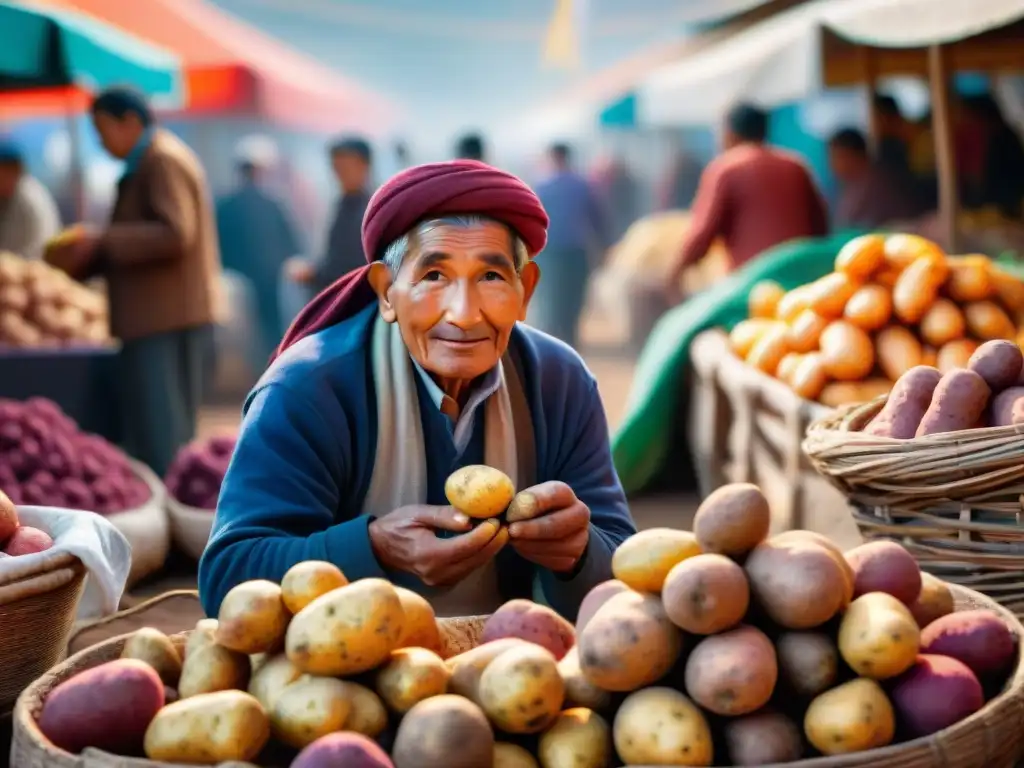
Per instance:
x=793, y=54
x=233, y=68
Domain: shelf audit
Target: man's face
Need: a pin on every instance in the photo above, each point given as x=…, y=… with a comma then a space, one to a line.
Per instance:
x=10, y=173
x=118, y=136
x=351, y=170
x=844, y=163
x=457, y=298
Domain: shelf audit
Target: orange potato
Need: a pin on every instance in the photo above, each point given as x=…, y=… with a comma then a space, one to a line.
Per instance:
x=805, y=331
x=969, y=279
x=917, y=287
x=861, y=257
x=828, y=295
x=942, y=323
x=745, y=334
x=987, y=321
x=870, y=307
x=764, y=299
x=955, y=354
x=787, y=366
x=809, y=376
x=845, y=392
x=901, y=250
x=793, y=303
x=769, y=350
x=898, y=351
x=1009, y=289
x=847, y=352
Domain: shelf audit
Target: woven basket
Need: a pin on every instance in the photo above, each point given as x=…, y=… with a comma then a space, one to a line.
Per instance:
x=37, y=611
x=954, y=500
x=190, y=527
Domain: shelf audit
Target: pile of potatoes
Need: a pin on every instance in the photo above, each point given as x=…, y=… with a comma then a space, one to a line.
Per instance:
x=892, y=303
x=40, y=306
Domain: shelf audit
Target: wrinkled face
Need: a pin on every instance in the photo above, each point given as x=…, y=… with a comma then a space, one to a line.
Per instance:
x=9, y=175
x=456, y=299
x=351, y=171
x=118, y=136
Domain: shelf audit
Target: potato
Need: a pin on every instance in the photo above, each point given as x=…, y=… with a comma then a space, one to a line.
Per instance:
x=532, y=622
x=305, y=582
x=835, y=551
x=745, y=334
x=643, y=560
x=763, y=299
x=733, y=673
x=955, y=354
x=917, y=288
x=839, y=393
x=930, y=356
x=908, y=402
x=732, y=520
x=762, y=738
x=521, y=690
x=660, y=726
x=828, y=295
x=523, y=506
x=847, y=352
x=803, y=333
x=580, y=692
x=352, y=750
x=347, y=631
x=309, y=708
x=578, y=738
x=987, y=320
x=411, y=675
x=935, y=693
x=213, y=668
x=252, y=618
x=861, y=256
x=1009, y=288
x=897, y=351
x=885, y=566
x=787, y=366
x=367, y=714
x=8, y=518
x=809, y=376
x=467, y=667
x=793, y=303
x=204, y=634
x=959, y=400
x=276, y=674
x=969, y=279
x=878, y=638
x=942, y=323
x=419, y=626
x=706, y=594
x=27, y=540
x=629, y=643
x=208, y=729
x=852, y=717
x=808, y=662
x=769, y=349
x=595, y=598
x=479, y=491
x=1008, y=407
x=512, y=756
x=979, y=638
x=156, y=649
x=797, y=582
x=998, y=362
x=870, y=307
x=444, y=732
x=934, y=601
x=107, y=707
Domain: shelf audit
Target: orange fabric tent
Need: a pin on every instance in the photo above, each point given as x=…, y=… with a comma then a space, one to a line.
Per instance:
x=233, y=68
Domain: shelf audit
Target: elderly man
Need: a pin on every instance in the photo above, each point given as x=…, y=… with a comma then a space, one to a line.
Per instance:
x=28, y=213
x=399, y=374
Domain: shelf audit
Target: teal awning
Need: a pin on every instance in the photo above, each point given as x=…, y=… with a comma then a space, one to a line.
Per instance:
x=619, y=114
x=51, y=47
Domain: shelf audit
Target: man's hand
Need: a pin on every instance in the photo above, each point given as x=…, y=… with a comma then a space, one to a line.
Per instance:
x=556, y=535
x=300, y=270
x=405, y=540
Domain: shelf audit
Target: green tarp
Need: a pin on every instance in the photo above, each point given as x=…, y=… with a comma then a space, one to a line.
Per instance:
x=643, y=440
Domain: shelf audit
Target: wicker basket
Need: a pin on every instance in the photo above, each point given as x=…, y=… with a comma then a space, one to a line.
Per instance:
x=954, y=500
x=37, y=611
x=190, y=527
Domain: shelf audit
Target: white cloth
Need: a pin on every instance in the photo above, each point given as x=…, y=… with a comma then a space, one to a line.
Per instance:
x=103, y=550
x=400, y=465
x=29, y=219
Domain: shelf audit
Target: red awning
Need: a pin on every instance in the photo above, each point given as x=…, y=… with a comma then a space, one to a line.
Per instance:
x=234, y=68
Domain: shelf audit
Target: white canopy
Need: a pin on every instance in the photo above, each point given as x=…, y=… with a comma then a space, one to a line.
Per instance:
x=779, y=60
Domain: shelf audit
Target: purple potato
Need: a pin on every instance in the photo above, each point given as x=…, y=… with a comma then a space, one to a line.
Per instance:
x=934, y=694
x=980, y=639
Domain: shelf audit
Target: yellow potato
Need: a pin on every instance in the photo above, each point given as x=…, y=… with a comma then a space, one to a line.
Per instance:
x=213, y=668
x=579, y=738
x=305, y=582
x=347, y=631
x=580, y=692
x=512, y=756
x=208, y=729
x=367, y=714
x=660, y=726
x=878, y=636
x=204, y=634
x=411, y=675
x=252, y=618
x=521, y=690
x=276, y=674
x=419, y=627
x=629, y=643
x=444, y=732
x=156, y=649
x=852, y=717
x=467, y=667
x=479, y=491
x=308, y=709
x=746, y=333
x=644, y=559
x=764, y=298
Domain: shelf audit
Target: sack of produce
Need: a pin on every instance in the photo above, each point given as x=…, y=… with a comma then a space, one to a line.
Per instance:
x=718, y=647
x=45, y=460
x=193, y=485
x=40, y=306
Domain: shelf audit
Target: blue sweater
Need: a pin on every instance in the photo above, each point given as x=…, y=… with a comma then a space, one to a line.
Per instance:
x=295, y=487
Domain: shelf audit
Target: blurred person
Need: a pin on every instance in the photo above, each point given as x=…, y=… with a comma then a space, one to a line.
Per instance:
x=752, y=196
x=352, y=161
x=870, y=195
x=29, y=216
x=892, y=151
x=161, y=262
x=619, y=192
x=679, y=185
x=471, y=147
x=257, y=236
x=997, y=176
x=579, y=227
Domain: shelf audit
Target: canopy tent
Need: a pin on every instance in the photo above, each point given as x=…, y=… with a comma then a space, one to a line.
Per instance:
x=821, y=43
x=234, y=69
